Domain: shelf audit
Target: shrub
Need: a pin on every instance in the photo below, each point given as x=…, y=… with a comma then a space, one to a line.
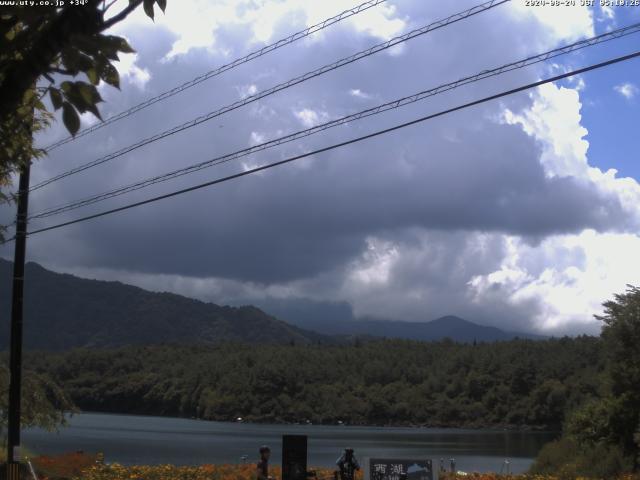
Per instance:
x=567, y=459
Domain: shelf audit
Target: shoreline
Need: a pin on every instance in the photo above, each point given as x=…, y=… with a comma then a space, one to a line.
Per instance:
x=462, y=428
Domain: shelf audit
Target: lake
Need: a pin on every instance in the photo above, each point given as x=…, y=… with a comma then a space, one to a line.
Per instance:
x=130, y=439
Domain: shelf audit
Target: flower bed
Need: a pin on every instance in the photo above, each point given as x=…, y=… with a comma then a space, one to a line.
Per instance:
x=81, y=466
x=171, y=472
x=63, y=466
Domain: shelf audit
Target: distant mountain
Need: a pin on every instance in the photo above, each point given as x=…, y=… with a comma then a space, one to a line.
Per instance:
x=338, y=319
x=64, y=311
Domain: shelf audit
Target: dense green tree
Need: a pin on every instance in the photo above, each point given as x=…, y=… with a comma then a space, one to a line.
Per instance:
x=601, y=436
x=376, y=382
x=621, y=335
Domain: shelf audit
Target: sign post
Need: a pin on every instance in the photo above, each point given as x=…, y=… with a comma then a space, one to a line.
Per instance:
x=294, y=457
x=400, y=469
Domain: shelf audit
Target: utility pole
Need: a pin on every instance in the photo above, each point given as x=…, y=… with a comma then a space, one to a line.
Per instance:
x=15, y=359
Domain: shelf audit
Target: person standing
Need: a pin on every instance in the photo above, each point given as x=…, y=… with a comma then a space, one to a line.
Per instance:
x=348, y=464
x=263, y=464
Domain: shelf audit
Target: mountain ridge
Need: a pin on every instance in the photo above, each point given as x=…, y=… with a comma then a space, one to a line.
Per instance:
x=339, y=320
x=64, y=311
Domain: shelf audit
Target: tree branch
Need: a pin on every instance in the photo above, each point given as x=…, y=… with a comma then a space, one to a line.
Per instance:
x=122, y=15
x=107, y=7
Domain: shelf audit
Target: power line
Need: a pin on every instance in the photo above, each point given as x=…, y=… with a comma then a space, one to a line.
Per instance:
x=615, y=34
x=282, y=86
x=213, y=73
x=341, y=144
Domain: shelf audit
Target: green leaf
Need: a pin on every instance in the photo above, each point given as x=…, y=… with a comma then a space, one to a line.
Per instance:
x=87, y=43
x=11, y=34
x=93, y=109
x=124, y=46
x=85, y=62
x=111, y=54
x=148, y=8
x=38, y=105
x=75, y=97
x=84, y=97
x=70, y=118
x=92, y=75
x=66, y=86
x=110, y=45
x=89, y=93
x=56, y=98
x=162, y=4
x=110, y=75
x=28, y=96
x=71, y=60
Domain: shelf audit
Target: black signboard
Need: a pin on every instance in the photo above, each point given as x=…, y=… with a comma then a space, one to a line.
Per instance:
x=400, y=469
x=294, y=457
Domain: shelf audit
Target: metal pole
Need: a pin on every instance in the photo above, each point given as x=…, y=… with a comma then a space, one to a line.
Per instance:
x=15, y=359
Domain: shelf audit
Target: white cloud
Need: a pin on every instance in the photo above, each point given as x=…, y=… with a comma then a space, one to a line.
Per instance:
x=247, y=90
x=568, y=23
x=554, y=118
x=196, y=25
x=627, y=90
x=310, y=118
x=578, y=82
x=607, y=15
x=567, y=277
x=374, y=266
x=193, y=25
x=356, y=92
x=87, y=119
x=131, y=72
x=608, y=12
x=257, y=138
x=379, y=22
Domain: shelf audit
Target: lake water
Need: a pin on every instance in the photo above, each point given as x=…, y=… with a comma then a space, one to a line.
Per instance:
x=129, y=439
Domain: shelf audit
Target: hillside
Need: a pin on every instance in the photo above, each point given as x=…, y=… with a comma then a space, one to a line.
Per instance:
x=64, y=311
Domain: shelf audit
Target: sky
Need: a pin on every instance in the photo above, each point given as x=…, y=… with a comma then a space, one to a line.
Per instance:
x=521, y=213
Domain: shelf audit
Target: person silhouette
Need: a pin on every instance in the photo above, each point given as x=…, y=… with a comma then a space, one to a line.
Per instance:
x=263, y=464
x=347, y=464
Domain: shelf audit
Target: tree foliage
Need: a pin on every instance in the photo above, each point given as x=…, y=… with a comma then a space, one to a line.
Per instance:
x=568, y=459
x=44, y=403
x=379, y=382
x=43, y=51
x=603, y=435
x=621, y=334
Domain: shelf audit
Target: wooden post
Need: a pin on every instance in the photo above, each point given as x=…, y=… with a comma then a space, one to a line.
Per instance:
x=15, y=357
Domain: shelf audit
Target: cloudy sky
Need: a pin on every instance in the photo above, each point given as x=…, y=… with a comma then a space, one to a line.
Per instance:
x=522, y=213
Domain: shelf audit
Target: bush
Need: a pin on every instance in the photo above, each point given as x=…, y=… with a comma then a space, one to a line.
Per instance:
x=567, y=459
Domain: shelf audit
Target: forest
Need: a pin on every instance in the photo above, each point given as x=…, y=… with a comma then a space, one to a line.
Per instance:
x=383, y=382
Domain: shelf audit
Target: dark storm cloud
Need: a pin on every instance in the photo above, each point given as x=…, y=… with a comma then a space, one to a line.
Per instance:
x=296, y=222
x=463, y=173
